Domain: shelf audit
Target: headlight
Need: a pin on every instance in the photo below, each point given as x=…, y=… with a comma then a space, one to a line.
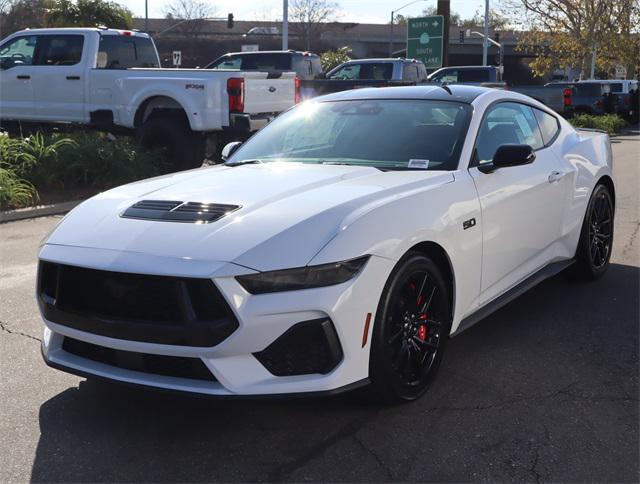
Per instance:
x=302, y=277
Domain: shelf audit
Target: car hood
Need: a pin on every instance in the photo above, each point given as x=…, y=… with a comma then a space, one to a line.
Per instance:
x=288, y=212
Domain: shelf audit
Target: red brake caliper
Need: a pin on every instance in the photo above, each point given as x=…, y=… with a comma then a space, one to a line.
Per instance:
x=422, y=329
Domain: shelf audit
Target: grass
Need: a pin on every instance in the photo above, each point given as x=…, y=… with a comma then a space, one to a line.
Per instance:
x=611, y=123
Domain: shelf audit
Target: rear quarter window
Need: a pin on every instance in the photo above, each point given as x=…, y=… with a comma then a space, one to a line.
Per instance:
x=124, y=52
x=548, y=126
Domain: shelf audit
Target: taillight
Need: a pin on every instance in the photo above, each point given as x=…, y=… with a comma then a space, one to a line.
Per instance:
x=566, y=96
x=296, y=89
x=235, y=90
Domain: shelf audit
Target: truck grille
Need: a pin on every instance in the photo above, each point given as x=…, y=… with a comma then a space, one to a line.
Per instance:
x=152, y=309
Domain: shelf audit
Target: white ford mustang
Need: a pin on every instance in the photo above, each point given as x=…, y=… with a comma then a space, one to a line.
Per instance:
x=339, y=247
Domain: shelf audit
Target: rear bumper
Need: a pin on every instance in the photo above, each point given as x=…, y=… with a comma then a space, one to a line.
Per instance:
x=248, y=123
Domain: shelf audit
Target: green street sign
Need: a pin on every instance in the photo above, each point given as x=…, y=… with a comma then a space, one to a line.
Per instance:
x=424, y=40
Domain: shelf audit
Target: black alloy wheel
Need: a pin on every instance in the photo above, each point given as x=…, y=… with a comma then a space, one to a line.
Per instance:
x=596, y=239
x=411, y=330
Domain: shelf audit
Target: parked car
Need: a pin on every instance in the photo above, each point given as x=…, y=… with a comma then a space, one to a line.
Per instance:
x=472, y=75
x=626, y=92
x=341, y=246
x=112, y=79
x=356, y=74
x=587, y=97
x=306, y=65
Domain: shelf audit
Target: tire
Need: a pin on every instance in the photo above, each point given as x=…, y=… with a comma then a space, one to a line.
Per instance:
x=183, y=149
x=403, y=328
x=596, y=237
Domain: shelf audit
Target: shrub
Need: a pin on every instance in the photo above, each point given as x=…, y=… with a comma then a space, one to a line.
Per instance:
x=333, y=58
x=89, y=161
x=14, y=191
x=611, y=123
x=94, y=160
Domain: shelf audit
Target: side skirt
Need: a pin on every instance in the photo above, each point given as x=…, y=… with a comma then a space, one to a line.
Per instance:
x=516, y=291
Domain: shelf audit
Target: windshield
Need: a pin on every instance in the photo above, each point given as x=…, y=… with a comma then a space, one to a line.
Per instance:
x=368, y=70
x=390, y=134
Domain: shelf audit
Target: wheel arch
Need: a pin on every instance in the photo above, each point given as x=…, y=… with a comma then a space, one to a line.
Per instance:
x=440, y=257
x=608, y=183
x=160, y=103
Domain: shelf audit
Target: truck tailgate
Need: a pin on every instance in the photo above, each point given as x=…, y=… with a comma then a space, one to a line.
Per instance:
x=264, y=95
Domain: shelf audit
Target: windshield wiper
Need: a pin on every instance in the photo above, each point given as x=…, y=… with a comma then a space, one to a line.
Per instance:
x=245, y=162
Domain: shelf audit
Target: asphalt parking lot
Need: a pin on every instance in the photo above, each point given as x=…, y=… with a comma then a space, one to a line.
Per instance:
x=546, y=389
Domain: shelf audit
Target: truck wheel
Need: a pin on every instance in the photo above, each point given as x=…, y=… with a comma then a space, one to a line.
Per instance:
x=182, y=148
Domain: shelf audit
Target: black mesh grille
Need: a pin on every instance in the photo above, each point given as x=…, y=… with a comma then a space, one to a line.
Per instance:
x=176, y=366
x=171, y=211
x=305, y=348
x=154, y=309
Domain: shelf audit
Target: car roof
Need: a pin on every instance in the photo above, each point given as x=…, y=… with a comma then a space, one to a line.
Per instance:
x=382, y=60
x=258, y=52
x=459, y=93
x=82, y=30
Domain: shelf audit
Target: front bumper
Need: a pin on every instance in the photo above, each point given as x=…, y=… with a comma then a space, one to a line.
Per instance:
x=234, y=363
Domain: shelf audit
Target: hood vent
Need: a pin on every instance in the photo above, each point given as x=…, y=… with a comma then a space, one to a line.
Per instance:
x=172, y=211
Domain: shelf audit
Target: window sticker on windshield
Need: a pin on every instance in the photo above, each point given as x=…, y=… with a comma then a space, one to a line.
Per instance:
x=421, y=164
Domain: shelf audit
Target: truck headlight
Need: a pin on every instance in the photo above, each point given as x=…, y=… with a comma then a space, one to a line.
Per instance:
x=302, y=277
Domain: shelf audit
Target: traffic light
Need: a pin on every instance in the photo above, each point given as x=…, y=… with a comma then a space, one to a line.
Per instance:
x=462, y=36
x=230, y=21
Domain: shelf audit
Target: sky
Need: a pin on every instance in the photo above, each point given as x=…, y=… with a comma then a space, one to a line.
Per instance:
x=362, y=11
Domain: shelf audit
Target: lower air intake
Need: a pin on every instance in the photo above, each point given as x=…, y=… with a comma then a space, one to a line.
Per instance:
x=306, y=348
x=176, y=366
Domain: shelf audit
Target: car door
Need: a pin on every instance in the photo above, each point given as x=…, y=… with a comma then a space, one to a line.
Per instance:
x=521, y=205
x=16, y=84
x=59, y=78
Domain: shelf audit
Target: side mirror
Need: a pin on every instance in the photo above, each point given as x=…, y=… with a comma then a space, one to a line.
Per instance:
x=509, y=155
x=229, y=149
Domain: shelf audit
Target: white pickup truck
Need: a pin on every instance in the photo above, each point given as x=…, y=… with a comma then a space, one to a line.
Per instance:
x=112, y=79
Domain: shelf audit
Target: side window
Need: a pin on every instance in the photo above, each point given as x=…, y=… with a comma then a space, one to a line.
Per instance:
x=410, y=72
x=350, y=71
x=548, y=125
x=422, y=72
x=19, y=51
x=449, y=77
x=123, y=52
x=507, y=123
x=60, y=50
x=473, y=75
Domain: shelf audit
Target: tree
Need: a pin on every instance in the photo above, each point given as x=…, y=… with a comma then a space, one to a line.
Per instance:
x=497, y=21
x=88, y=13
x=20, y=14
x=195, y=11
x=566, y=33
x=309, y=15
x=454, y=17
x=333, y=58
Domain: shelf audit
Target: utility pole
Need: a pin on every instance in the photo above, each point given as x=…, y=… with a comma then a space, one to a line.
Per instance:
x=285, y=24
x=146, y=16
x=444, y=9
x=485, y=41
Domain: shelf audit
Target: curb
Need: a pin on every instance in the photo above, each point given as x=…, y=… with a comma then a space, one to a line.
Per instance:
x=39, y=211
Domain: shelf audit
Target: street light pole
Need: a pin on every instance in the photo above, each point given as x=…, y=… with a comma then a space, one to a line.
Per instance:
x=285, y=24
x=485, y=42
x=146, y=16
x=393, y=12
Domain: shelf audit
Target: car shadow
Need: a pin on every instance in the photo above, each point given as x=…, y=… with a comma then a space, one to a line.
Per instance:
x=542, y=360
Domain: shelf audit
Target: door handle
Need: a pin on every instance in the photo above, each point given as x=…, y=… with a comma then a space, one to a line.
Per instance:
x=24, y=77
x=555, y=175
x=73, y=78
